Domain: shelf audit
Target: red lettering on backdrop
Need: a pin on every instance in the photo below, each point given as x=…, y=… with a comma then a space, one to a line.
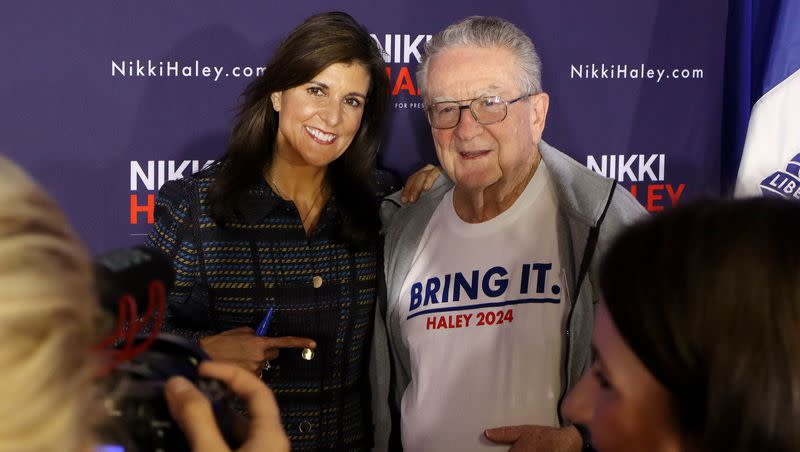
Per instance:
x=148, y=208
x=674, y=196
x=655, y=193
x=404, y=82
x=652, y=196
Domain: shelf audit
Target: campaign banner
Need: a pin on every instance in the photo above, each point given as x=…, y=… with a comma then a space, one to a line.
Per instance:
x=105, y=101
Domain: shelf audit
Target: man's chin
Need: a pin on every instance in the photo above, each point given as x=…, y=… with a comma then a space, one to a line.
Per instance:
x=474, y=183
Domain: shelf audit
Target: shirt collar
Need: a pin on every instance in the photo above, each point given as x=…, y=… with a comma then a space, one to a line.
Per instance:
x=256, y=202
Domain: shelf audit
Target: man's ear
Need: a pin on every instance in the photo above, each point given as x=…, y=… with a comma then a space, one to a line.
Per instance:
x=540, y=103
x=276, y=101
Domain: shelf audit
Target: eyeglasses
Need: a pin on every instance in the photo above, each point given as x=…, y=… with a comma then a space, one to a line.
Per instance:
x=485, y=110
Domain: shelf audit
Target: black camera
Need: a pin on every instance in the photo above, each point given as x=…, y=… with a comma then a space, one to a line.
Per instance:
x=138, y=418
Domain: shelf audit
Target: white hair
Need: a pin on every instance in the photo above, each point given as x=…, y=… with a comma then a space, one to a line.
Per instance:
x=47, y=311
x=486, y=32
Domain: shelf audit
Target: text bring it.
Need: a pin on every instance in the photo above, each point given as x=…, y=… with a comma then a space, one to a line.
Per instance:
x=472, y=286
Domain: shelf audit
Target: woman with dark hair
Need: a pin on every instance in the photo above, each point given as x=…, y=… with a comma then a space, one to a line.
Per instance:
x=282, y=233
x=696, y=335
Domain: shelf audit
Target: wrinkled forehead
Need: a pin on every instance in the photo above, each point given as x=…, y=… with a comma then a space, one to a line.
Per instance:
x=467, y=72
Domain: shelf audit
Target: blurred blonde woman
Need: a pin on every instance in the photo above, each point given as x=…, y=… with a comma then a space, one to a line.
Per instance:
x=48, y=309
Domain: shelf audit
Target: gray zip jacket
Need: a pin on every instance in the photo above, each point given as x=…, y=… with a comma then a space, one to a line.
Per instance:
x=592, y=209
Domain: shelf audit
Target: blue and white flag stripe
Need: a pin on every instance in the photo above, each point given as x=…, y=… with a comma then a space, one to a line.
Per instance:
x=773, y=139
x=768, y=165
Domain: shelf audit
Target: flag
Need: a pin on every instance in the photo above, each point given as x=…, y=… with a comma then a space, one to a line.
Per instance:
x=771, y=153
x=769, y=46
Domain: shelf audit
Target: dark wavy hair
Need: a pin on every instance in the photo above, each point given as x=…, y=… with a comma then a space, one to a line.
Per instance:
x=708, y=298
x=321, y=40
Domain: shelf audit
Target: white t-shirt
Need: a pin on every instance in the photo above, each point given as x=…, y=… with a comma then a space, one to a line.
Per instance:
x=481, y=313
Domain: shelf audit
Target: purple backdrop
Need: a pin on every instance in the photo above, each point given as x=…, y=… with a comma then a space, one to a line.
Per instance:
x=93, y=107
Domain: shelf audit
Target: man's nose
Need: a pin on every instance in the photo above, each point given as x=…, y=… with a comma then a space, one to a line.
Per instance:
x=467, y=127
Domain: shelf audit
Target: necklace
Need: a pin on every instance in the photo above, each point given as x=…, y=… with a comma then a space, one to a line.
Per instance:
x=303, y=218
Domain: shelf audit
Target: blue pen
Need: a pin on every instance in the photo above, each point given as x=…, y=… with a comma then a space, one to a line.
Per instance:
x=263, y=327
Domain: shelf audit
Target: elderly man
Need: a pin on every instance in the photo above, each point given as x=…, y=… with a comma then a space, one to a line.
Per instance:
x=489, y=292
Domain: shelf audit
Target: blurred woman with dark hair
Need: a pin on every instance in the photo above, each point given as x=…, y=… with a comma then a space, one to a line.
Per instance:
x=286, y=223
x=696, y=337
